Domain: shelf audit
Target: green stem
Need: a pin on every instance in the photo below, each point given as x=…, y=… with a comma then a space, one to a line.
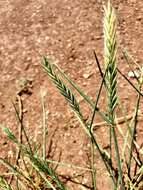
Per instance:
x=134, y=132
x=118, y=158
x=92, y=165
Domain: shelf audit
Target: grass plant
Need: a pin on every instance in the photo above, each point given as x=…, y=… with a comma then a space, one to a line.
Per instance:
x=125, y=170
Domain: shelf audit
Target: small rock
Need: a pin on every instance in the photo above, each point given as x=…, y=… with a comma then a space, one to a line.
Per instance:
x=139, y=18
x=80, y=153
x=87, y=75
x=134, y=74
x=24, y=110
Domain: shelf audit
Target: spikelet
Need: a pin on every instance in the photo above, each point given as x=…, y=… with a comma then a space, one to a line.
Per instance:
x=63, y=88
x=110, y=49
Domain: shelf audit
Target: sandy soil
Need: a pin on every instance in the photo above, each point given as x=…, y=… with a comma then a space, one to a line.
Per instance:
x=67, y=32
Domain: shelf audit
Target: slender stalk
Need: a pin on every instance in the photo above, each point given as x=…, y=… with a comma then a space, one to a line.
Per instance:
x=99, y=67
x=91, y=129
x=68, y=165
x=22, y=127
x=92, y=164
x=134, y=132
x=44, y=128
x=96, y=102
x=105, y=159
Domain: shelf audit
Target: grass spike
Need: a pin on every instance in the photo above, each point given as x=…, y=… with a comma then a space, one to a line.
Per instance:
x=64, y=90
x=110, y=51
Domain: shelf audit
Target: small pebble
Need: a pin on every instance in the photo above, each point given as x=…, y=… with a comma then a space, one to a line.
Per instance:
x=134, y=74
x=87, y=75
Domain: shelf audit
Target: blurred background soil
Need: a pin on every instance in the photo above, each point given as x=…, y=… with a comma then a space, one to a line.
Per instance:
x=67, y=32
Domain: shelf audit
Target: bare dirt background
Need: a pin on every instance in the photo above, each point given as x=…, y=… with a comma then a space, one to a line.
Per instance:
x=67, y=32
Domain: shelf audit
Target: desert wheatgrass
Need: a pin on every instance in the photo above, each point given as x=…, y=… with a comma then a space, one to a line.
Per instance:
x=63, y=88
x=110, y=54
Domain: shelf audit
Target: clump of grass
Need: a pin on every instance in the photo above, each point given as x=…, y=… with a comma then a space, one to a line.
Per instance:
x=35, y=172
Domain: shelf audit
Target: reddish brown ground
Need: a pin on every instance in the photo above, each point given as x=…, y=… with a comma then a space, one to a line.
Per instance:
x=67, y=32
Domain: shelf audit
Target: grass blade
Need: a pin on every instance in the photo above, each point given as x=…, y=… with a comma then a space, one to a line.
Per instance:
x=44, y=127
x=99, y=67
